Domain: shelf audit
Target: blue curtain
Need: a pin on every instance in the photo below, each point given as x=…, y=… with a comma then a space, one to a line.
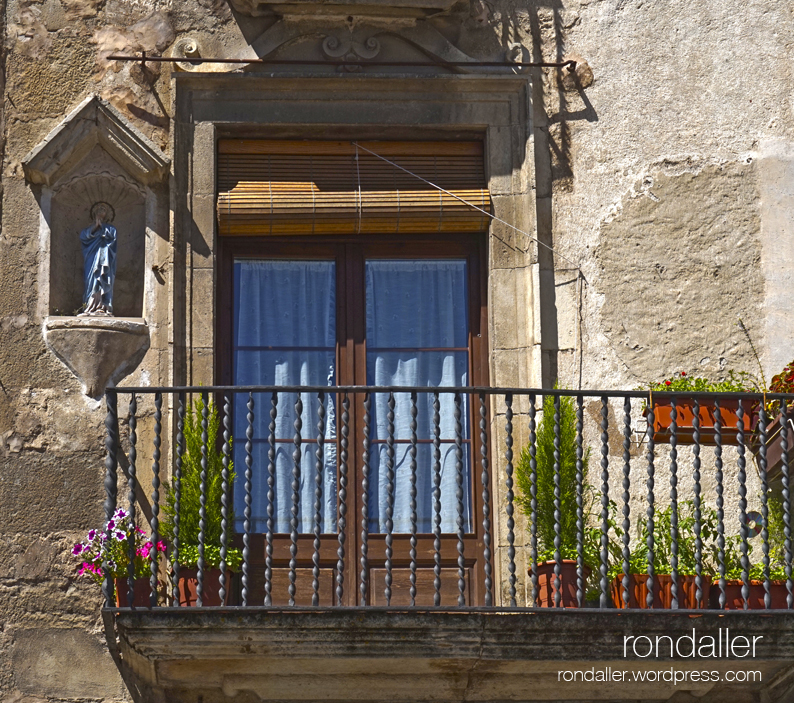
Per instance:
x=417, y=335
x=285, y=334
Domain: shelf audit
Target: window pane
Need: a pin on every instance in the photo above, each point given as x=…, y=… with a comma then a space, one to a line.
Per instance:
x=285, y=334
x=417, y=303
x=417, y=335
x=285, y=304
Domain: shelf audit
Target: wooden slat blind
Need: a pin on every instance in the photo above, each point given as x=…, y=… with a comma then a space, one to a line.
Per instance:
x=319, y=187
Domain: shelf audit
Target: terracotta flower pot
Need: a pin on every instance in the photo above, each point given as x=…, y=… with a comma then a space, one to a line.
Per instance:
x=140, y=593
x=211, y=591
x=568, y=584
x=734, y=600
x=685, y=417
x=662, y=591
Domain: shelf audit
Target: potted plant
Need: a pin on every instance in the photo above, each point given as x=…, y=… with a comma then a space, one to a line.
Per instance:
x=112, y=543
x=778, y=591
x=545, y=489
x=781, y=383
x=662, y=561
x=686, y=387
x=189, y=505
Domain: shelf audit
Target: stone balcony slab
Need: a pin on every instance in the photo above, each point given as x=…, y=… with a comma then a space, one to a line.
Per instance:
x=374, y=654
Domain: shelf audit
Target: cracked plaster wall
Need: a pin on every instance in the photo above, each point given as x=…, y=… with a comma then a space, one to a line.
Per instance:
x=669, y=180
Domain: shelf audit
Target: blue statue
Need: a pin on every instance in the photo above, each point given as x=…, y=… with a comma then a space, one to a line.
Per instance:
x=99, y=254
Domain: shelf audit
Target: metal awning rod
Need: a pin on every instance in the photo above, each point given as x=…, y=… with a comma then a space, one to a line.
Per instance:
x=475, y=207
x=143, y=58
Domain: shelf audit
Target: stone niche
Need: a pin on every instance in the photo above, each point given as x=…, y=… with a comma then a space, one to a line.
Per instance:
x=98, y=178
x=95, y=155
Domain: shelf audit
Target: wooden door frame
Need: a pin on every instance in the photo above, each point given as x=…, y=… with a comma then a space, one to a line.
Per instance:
x=350, y=252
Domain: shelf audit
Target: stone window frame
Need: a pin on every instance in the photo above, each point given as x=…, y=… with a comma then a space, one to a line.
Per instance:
x=208, y=107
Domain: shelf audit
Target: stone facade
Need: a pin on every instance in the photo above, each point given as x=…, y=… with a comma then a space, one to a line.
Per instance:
x=664, y=168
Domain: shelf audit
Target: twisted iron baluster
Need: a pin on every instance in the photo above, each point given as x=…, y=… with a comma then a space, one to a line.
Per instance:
x=459, y=496
x=155, y=523
x=413, y=427
x=580, y=591
x=604, y=502
x=762, y=420
x=180, y=451
x=365, y=501
x=340, y=552
x=225, y=497
x=743, y=506
x=674, y=502
x=511, y=550
x=557, y=500
x=131, y=478
x=486, y=502
x=249, y=461
x=319, y=456
x=296, y=484
x=696, y=478
x=202, y=498
x=626, y=496
x=533, y=507
x=436, y=499
x=389, y=494
x=786, y=502
x=649, y=513
x=111, y=477
x=271, y=493
x=720, y=499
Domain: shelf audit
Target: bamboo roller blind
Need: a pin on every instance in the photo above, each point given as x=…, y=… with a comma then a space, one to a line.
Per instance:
x=304, y=187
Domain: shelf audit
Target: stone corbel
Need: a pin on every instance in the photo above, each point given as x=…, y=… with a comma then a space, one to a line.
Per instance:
x=99, y=351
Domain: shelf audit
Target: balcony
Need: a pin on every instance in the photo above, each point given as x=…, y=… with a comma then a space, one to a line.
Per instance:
x=375, y=543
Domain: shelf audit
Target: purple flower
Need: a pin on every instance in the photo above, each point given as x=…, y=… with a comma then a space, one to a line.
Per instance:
x=91, y=535
x=77, y=549
x=111, y=524
x=120, y=536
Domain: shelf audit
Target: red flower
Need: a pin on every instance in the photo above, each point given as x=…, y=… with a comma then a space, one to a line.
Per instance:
x=683, y=373
x=668, y=383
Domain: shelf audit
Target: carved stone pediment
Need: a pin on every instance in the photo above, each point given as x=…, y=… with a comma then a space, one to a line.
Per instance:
x=358, y=8
x=94, y=121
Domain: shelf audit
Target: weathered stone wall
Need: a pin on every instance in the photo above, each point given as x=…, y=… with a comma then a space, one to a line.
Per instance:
x=666, y=172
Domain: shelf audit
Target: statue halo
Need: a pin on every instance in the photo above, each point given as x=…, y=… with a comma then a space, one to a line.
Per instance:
x=108, y=208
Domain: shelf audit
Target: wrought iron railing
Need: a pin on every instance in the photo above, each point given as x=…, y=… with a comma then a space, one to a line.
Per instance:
x=648, y=546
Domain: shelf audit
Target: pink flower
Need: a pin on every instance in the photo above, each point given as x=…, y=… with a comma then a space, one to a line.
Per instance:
x=161, y=546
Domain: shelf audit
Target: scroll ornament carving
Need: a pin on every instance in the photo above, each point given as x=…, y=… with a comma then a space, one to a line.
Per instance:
x=348, y=49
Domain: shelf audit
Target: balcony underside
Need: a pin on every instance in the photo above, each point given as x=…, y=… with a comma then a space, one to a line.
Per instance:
x=256, y=654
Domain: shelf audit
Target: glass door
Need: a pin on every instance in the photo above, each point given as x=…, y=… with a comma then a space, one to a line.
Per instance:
x=372, y=313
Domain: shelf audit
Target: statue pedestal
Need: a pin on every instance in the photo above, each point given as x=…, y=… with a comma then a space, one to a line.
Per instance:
x=99, y=351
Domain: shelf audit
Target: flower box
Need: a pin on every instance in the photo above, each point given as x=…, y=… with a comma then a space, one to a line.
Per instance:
x=662, y=592
x=568, y=584
x=685, y=419
x=735, y=601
